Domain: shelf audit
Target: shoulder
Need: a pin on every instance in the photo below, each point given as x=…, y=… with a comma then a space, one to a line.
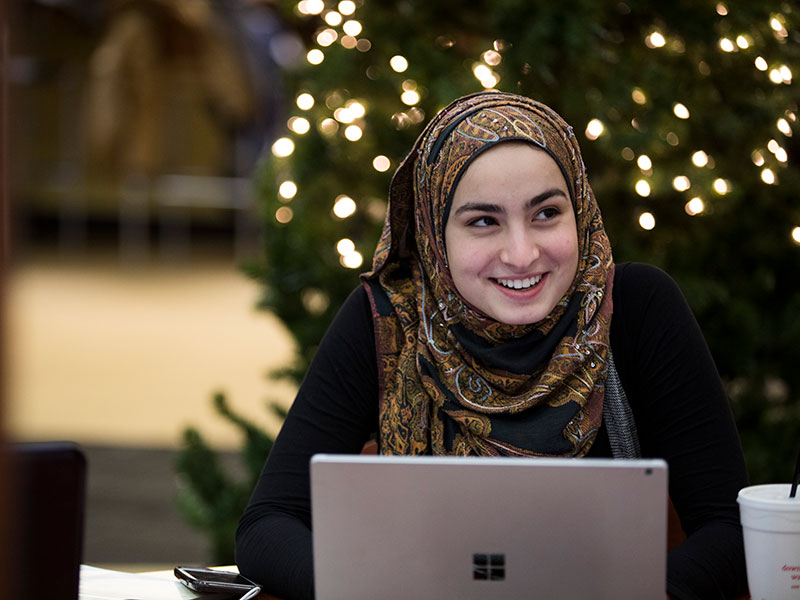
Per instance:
x=641, y=290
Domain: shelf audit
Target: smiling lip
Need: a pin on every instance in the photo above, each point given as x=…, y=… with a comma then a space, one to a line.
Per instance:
x=533, y=286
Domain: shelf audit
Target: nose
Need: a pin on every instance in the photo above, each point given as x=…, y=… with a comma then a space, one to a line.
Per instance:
x=519, y=249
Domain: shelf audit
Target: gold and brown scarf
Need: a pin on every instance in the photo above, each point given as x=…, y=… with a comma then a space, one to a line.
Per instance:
x=453, y=380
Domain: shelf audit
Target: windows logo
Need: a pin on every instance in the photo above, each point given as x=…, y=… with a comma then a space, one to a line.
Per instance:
x=489, y=567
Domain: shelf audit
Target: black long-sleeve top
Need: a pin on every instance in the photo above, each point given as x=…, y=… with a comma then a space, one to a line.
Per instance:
x=680, y=408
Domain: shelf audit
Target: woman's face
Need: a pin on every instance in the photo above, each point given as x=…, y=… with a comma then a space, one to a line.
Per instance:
x=511, y=237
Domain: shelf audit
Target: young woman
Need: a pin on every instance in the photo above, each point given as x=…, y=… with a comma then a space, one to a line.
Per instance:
x=495, y=322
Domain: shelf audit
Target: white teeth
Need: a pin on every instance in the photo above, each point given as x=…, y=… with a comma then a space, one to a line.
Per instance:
x=519, y=284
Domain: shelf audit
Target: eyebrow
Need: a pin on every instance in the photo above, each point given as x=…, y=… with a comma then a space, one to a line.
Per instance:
x=496, y=208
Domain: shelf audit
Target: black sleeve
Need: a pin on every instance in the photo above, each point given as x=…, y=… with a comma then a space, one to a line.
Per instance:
x=683, y=416
x=335, y=411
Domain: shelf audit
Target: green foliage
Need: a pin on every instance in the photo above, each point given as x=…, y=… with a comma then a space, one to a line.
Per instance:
x=209, y=498
x=736, y=261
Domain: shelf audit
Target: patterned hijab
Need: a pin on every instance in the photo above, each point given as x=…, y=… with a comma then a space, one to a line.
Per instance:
x=452, y=379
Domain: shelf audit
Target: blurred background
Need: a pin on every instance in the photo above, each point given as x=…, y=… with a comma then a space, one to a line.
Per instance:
x=196, y=184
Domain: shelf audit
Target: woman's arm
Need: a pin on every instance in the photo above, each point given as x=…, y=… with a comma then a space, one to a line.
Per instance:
x=683, y=416
x=335, y=411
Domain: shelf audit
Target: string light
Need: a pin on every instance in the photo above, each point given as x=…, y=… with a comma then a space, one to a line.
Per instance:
x=775, y=76
x=726, y=45
x=328, y=127
x=796, y=235
x=768, y=177
x=410, y=97
x=594, y=129
x=694, y=206
x=742, y=42
x=344, y=115
x=315, y=56
x=784, y=127
x=642, y=188
x=344, y=206
x=326, y=37
x=352, y=27
x=681, y=183
x=299, y=125
x=786, y=74
x=699, y=159
x=644, y=162
x=757, y=158
x=721, y=186
x=283, y=147
x=284, y=214
x=311, y=7
x=305, y=101
x=333, y=18
x=761, y=64
x=638, y=96
x=655, y=40
x=647, y=221
x=398, y=63
x=345, y=246
x=492, y=58
x=722, y=10
x=353, y=133
x=680, y=110
x=287, y=190
x=352, y=260
x=356, y=109
x=381, y=163
x=347, y=7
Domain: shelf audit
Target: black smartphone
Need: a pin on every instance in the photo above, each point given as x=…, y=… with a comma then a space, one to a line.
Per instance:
x=210, y=580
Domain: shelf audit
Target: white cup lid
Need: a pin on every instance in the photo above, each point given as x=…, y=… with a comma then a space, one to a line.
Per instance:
x=771, y=495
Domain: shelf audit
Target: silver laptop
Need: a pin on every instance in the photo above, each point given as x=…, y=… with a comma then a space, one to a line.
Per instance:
x=497, y=528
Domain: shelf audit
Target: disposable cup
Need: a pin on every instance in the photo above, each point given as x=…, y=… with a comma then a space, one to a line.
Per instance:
x=771, y=526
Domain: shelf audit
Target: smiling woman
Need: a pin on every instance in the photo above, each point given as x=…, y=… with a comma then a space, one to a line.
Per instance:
x=495, y=322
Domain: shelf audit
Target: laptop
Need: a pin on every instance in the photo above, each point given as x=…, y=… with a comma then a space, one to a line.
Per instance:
x=49, y=484
x=475, y=528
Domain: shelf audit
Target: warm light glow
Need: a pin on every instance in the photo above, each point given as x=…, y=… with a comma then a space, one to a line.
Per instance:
x=784, y=127
x=347, y=7
x=773, y=146
x=398, y=63
x=781, y=155
x=757, y=158
x=638, y=96
x=742, y=42
x=326, y=37
x=485, y=75
x=299, y=125
x=353, y=133
x=722, y=10
x=796, y=235
x=311, y=7
x=345, y=246
x=699, y=159
x=349, y=42
x=681, y=183
x=786, y=74
x=761, y=64
x=410, y=97
x=594, y=129
x=283, y=147
x=284, y=214
x=344, y=115
x=333, y=18
x=721, y=187
x=642, y=188
x=647, y=221
x=644, y=162
x=694, y=206
x=287, y=190
x=655, y=40
x=305, y=101
x=775, y=76
x=328, y=127
x=680, y=110
x=775, y=24
x=767, y=176
x=492, y=58
x=356, y=109
x=344, y=206
x=352, y=260
x=726, y=45
x=381, y=163
x=352, y=27
x=315, y=56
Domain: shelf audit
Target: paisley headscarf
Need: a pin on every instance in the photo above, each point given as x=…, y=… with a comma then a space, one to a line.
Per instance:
x=452, y=379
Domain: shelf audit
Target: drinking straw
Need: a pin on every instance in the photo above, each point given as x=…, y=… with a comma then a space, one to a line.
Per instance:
x=795, y=478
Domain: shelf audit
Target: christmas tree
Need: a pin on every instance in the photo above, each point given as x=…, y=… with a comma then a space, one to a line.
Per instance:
x=686, y=114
